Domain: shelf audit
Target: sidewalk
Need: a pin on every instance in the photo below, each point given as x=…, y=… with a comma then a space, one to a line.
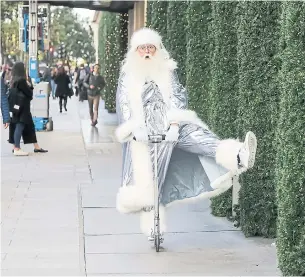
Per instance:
x=196, y=243
x=40, y=227
x=59, y=216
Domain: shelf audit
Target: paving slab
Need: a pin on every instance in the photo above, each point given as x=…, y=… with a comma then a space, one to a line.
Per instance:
x=41, y=229
x=218, y=262
x=196, y=243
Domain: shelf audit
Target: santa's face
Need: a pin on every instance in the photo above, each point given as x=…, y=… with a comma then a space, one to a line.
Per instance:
x=146, y=51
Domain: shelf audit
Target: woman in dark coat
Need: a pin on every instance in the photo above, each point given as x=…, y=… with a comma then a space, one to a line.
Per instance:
x=63, y=90
x=22, y=124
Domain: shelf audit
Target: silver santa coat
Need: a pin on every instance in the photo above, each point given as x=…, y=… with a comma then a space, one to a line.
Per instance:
x=197, y=166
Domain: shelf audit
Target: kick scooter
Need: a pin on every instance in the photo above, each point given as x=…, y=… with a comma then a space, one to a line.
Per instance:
x=155, y=234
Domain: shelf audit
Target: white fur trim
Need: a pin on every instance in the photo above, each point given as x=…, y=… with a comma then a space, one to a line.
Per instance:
x=189, y=116
x=147, y=221
x=131, y=198
x=140, y=193
x=226, y=153
x=145, y=36
x=123, y=132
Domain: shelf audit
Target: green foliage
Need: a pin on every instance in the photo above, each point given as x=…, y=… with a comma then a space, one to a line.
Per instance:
x=198, y=60
x=224, y=86
x=258, y=66
x=9, y=28
x=149, y=11
x=67, y=28
x=158, y=18
x=176, y=35
x=290, y=162
x=113, y=30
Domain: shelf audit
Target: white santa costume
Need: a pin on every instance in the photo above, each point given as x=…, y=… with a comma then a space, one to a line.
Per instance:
x=150, y=100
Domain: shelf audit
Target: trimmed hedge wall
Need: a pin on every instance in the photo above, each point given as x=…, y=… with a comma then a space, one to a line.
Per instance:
x=176, y=35
x=258, y=66
x=113, y=45
x=290, y=163
x=157, y=18
x=224, y=86
x=198, y=61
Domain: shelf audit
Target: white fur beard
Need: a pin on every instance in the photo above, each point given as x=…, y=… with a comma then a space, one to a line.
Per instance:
x=141, y=68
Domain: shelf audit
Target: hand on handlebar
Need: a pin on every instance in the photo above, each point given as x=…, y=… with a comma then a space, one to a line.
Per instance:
x=172, y=134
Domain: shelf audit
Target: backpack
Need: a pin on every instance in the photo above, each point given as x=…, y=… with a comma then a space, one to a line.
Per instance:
x=16, y=99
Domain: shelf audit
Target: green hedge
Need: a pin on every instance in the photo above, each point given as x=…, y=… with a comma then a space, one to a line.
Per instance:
x=258, y=40
x=158, y=17
x=102, y=43
x=198, y=60
x=149, y=11
x=113, y=45
x=290, y=164
x=224, y=86
x=176, y=35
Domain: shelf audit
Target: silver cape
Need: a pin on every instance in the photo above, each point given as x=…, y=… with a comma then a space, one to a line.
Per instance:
x=186, y=168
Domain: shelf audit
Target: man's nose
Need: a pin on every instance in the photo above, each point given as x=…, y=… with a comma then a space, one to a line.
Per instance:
x=146, y=50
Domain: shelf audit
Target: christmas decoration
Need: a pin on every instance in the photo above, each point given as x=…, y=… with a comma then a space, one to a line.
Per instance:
x=114, y=35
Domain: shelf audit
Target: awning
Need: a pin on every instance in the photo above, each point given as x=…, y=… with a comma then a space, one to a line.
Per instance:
x=98, y=5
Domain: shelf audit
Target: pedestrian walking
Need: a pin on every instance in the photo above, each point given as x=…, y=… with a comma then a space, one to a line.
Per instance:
x=63, y=90
x=80, y=77
x=52, y=81
x=94, y=83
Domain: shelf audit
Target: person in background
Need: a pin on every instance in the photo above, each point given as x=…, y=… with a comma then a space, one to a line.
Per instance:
x=95, y=83
x=4, y=104
x=80, y=77
x=74, y=81
x=63, y=91
x=22, y=124
x=52, y=82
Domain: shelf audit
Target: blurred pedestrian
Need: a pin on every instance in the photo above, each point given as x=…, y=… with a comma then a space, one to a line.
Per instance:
x=63, y=89
x=4, y=104
x=95, y=83
x=52, y=82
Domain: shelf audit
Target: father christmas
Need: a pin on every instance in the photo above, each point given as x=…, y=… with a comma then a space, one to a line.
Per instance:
x=193, y=163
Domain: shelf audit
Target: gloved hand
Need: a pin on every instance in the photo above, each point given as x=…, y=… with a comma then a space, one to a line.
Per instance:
x=141, y=134
x=172, y=134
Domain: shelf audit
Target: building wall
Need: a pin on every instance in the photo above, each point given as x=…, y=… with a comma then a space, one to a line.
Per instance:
x=137, y=17
x=95, y=28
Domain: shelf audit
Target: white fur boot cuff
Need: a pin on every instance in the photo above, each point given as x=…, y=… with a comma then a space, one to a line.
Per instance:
x=226, y=153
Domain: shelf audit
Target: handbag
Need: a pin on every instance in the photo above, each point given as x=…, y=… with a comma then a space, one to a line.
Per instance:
x=16, y=100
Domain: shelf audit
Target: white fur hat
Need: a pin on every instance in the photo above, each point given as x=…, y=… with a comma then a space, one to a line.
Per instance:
x=146, y=36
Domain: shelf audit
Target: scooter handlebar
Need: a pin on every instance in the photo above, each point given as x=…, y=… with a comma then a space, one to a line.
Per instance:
x=154, y=138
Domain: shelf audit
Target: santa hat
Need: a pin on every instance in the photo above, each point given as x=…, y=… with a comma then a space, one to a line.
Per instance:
x=146, y=36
